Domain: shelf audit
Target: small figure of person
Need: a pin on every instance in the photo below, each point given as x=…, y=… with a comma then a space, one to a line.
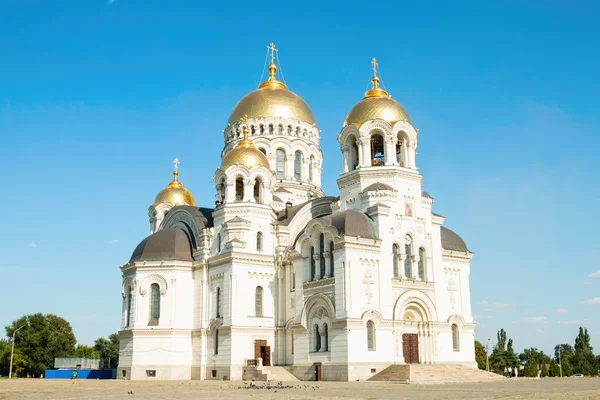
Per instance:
x=74, y=375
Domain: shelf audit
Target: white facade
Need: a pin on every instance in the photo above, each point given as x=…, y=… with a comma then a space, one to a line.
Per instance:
x=279, y=272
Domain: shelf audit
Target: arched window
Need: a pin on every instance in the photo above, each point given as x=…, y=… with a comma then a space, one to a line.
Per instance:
x=280, y=164
x=421, y=263
x=353, y=155
x=270, y=129
x=262, y=150
x=128, y=310
x=154, y=303
x=216, y=343
x=455, y=338
x=322, y=256
x=221, y=191
x=298, y=166
x=326, y=335
x=259, y=241
x=331, y=262
x=219, y=243
x=258, y=302
x=408, y=261
x=239, y=189
x=399, y=150
x=311, y=166
x=396, y=261
x=292, y=341
x=257, y=190
x=313, y=268
x=377, y=150
x=370, y=335
x=218, y=303
x=317, y=338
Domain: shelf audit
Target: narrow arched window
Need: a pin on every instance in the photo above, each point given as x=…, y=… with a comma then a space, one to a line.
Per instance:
x=408, y=261
x=219, y=243
x=257, y=190
x=258, y=301
x=326, y=335
x=455, y=338
x=370, y=335
x=377, y=150
x=395, y=255
x=331, y=261
x=263, y=150
x=259, y=241
x=239, y=189
x=218, y=303
x=128, y=310
x=399, y=150
x=317, y=338
x=292, y=341
x=154, y=303
x=353, y=162
x=280, y=164
x=422, y=264
x=216, y=343
x=322, y=256
x=298, y=166
x=311, y=167
x=313, y=268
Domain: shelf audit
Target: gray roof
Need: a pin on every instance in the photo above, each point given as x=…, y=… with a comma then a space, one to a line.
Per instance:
x=378, y=186
x=425, y=194
x=284, y=219
x=352, y=223
x=164, y=245
x=451, y=241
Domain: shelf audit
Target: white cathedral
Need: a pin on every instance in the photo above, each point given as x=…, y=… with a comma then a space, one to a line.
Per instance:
x=279, y=274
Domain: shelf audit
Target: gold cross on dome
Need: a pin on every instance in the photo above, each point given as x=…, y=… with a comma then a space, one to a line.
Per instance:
x=273, y=50
x=176, y=163
x=374, y=62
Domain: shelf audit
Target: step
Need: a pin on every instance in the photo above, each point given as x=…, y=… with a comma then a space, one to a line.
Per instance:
x=279, y=374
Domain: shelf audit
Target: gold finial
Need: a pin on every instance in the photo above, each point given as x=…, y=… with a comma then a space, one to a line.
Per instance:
x=272, y=82
x=176, y=170
x=273, y=50
x=245, y=132
x=375, y=91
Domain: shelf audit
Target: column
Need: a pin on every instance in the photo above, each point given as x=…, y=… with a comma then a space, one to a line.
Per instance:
x=366, y=152
x=414, y=264
x=390, y=154
x=360, y=154
x=402, y=273
x=345, y=158
x=316, y=257
x=248, y=190
x=328, y=267
x=230, y=191
x=289, y=166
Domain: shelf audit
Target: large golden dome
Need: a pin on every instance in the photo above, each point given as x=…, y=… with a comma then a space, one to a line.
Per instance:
x=175, y=194
x=272, y=99
x=245, y=153
x=376, y=104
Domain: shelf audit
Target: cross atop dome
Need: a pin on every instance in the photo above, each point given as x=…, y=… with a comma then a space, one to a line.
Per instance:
x=273, y=50
x=272, y=82
x=375, y=91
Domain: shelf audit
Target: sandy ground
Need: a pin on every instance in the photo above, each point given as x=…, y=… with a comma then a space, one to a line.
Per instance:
x=569, y=388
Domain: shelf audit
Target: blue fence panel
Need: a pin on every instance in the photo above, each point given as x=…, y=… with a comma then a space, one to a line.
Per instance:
x=81, y=374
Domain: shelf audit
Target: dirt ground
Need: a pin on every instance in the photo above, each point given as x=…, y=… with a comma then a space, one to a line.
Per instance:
x=568, y=388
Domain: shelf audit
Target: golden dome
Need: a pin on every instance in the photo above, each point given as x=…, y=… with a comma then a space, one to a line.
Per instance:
x=245, y=153
x=376, y=104
x=175, y=194
x=272, y=99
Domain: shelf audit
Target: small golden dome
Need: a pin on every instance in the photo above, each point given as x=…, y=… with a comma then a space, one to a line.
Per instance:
x=175, y=194
x=245, y=153
x=376, y=104
x=272, y=99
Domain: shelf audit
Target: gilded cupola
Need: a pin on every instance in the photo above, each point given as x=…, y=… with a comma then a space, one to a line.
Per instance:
x=175, y=194
x=245, y=153
x=377, y=104
x=272, y=99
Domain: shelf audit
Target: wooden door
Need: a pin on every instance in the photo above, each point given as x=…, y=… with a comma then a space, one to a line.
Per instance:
x=257, y=348
x=266, y=355
x=410, y=348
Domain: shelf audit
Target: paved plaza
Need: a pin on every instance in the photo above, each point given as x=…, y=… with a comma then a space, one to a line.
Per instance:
x=570, y=388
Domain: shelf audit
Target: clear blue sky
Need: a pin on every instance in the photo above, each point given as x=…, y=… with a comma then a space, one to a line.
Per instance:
x=97, y=97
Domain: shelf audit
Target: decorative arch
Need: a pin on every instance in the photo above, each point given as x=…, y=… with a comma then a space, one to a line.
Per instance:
x=418, y=299
x=378, y=126
x=456, y=320
x=127, y=282
x=313, y=302
x=154, y=278
x=372, y=315
x=190, y=220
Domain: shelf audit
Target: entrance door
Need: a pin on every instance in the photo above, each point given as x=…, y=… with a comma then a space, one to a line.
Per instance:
x=261, y=350
x=410, y=348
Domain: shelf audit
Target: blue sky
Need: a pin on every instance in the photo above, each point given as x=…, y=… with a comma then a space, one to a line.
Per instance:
x=98, y=97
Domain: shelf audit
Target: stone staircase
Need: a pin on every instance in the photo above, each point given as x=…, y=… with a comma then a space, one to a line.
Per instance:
x=393, y=373
x=255, y=373
x=434, y=373
x=279, y=374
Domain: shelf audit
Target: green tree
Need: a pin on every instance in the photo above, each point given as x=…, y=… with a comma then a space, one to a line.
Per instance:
x=503, y=355
x=42, y=338
x=545, y=372
x=566, y=353
x=554, y=369
x=108, y=349
x=480, y=355
x=583, y=357
x=83, y=351
x=531, y=369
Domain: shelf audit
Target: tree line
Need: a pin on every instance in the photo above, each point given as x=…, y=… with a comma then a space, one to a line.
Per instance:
x=576, y=359
x=43, y=337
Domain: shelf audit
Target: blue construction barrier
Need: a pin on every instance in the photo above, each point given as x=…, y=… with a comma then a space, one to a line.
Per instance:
x=107, y=373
